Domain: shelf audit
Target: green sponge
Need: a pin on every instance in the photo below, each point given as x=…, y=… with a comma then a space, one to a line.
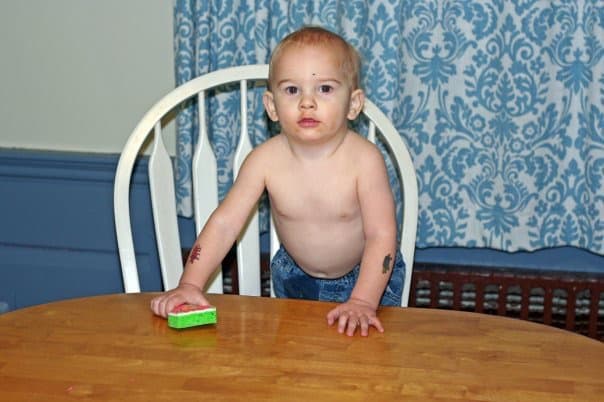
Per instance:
x=190, y=315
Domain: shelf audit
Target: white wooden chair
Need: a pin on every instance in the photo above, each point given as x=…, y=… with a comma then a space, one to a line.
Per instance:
x=205, y=186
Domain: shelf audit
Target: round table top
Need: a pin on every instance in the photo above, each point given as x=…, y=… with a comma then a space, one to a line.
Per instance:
x=113, y=348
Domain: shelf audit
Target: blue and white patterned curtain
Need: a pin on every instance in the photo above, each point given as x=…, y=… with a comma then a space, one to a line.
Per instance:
x=500, y=101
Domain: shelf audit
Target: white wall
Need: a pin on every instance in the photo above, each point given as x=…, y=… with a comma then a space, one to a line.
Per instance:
x=76, y=75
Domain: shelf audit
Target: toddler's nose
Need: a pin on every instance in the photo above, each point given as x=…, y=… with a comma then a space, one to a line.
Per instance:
x=307, y=102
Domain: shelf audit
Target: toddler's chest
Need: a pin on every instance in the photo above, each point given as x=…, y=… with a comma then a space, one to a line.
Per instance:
x=325, y=196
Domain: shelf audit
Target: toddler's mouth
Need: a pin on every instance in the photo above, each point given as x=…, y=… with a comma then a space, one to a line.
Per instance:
x=308, y=122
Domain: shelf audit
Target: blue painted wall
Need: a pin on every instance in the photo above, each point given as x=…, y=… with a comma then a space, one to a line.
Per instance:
x=57, y=238
x=56, y=227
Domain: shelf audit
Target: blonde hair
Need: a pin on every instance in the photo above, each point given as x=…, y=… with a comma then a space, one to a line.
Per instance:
x=314, y=35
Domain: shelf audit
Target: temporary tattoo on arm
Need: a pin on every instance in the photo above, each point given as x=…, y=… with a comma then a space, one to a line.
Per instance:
x=194, y=255
x=386, y=264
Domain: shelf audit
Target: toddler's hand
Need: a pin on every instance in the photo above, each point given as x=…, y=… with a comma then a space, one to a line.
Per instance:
x=184, y=293
x=352, y=315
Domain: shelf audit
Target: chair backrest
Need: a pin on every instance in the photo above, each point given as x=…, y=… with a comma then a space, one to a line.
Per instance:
x=204, y=177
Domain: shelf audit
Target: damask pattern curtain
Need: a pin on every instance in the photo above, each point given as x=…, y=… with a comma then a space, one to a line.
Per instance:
x=500, y=101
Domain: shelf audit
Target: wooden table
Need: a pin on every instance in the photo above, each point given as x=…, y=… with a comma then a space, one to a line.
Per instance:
x=110, y=348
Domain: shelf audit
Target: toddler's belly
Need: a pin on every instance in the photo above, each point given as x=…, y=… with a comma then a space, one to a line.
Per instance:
x=324, y=251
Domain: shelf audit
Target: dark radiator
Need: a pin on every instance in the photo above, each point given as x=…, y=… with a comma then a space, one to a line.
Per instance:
x=572, y=301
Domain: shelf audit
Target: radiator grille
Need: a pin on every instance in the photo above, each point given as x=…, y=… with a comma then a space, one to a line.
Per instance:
x=573, y=302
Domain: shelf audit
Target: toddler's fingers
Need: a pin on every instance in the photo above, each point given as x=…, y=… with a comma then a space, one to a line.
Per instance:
x=332, y=316
x=347, y=324
x=167, y=303
x=158, y=305
x=353, y=324
x=364, y=326
x=154, y=305
x=376, y=323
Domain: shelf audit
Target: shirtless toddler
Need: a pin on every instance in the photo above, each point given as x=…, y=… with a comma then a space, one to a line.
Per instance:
x=328, y=188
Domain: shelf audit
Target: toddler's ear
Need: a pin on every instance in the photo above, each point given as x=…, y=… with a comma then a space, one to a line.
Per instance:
x=269, y=105
x=357, y=100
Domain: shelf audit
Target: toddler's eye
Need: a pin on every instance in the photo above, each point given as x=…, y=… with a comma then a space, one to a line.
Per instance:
x=325, y=89
x=291, y=90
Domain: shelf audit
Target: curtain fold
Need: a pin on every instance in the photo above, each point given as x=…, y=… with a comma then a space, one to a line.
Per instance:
x=500, y=102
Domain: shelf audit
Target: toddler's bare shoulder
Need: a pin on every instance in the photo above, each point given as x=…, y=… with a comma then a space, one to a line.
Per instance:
x=269, y=155
x=363, y=149
x=271, y=146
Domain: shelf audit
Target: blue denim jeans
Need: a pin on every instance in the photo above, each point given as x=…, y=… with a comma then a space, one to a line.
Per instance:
x=290, y=281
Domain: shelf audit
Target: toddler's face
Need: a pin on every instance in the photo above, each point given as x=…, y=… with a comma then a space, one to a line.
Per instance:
x=310, y=95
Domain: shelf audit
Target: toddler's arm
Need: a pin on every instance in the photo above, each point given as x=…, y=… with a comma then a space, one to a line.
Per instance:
x=216, y=238
x=379, y=223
